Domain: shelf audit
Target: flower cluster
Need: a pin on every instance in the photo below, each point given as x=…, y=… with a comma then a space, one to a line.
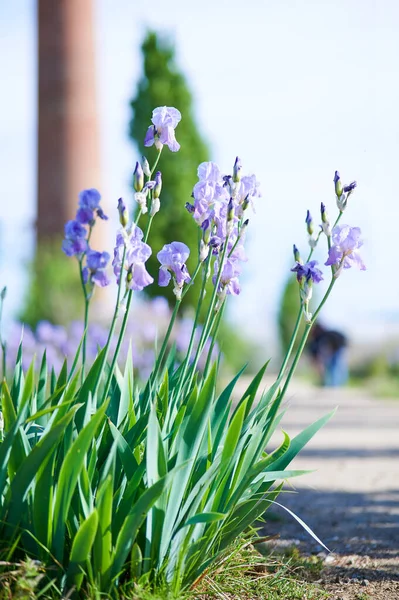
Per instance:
x=343, y=245
x=77, y=235
x=219, y=206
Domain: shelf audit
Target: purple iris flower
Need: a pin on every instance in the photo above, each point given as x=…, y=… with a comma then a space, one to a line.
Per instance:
x=350, y=187
x=85, y=216
x=165, y=120
x=94, y=271
x=209, y=171
x=173, y=259
x=137, y=253
x=229, y=283
x=75, y=238
x=344, y=251
x=89, y=199
x=308, y=271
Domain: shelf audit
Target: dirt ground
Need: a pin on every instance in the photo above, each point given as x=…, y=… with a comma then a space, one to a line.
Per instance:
x=351, y=500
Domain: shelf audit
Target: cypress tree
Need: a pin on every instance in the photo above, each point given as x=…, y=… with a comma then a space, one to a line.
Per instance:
x=162, y=84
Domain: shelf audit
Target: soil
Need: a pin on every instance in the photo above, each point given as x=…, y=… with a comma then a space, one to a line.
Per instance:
x=351, y=500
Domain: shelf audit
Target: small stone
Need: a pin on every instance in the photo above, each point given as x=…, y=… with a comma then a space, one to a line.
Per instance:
x=365, y=582
x=329, y=560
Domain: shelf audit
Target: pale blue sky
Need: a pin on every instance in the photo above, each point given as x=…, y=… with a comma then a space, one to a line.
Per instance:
x=296, y=88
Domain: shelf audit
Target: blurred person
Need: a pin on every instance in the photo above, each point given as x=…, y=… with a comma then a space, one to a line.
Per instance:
x=328, y=351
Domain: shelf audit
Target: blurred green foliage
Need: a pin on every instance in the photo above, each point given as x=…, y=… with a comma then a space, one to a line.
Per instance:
x=162, y=84
x=288, y=313
x=54, y=293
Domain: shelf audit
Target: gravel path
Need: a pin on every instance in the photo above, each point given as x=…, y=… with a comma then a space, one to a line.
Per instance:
x=351, y=500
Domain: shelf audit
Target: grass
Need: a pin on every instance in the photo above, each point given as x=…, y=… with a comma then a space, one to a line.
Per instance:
x=243, y=574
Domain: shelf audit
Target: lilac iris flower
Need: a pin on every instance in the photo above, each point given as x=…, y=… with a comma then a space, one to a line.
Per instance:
x=94, y=271
x=89, y=199
x=173, y=259
x=137, y=253
x=344, y=251
x=308, y=271
x=75, y=238
x=229, y=283
x=165, y=120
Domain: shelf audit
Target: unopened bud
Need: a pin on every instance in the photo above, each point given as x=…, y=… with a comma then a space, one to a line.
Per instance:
x=245, y=204
x=325, y=223
x=190, y=207
x=206, y=229
x=138, y=178
x=348, y=189
x=237, y=170
x=155, y=206
x=309, y=223
x=297, y=256
x=145, y=166
x=230, y=216
x=158, y=184
x=204, y=251
x=338, y=184
x=123, y=214
x=306, y=289
x=3, y=293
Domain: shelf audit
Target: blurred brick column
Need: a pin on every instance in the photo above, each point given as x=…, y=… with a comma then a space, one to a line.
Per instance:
x=68, y=134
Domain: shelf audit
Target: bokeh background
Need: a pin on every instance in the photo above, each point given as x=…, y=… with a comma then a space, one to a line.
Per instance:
x=297, y=89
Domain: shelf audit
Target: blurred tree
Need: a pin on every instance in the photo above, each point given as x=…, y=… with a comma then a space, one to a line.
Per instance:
x=288, y=313
x=54, y=293
x=163, y=85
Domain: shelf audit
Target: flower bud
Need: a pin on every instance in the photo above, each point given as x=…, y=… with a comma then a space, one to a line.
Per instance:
x=338, y=184
x=123, y=214
x=237, y=170
x=204, y=251
x=245, y=204
x=230, y=216
x=155, y=206
x=297, y=256
x=158, y=185
x=309, y=223
x=348, y=189
x=3, y=293
x=138, y=178
x=325, y=223
x=145, y=166
x=206, y=235
x=189, y=207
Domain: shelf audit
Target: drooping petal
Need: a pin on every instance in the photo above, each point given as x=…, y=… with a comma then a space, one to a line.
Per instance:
x=100, y=278
x=164, y=277
x=149, y=136
x=141, y=278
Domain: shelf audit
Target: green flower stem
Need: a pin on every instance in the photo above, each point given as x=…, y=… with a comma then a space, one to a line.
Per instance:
x=118, y=346
x=113, y=323
x=292, y=342
x=2, y=342
x=138, y=217
x=209, y=317
x=196, y=319
x=86, y=320
x=156, y=162
x=165, y=341
x=216, y=326
x=304, y=338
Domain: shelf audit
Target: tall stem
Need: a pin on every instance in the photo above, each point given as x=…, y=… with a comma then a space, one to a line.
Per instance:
x=86, y=320
x=118, y=346
x=292, y=342
x=165, y=341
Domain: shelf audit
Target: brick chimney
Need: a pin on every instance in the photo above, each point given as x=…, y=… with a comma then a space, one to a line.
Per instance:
x=68, y=133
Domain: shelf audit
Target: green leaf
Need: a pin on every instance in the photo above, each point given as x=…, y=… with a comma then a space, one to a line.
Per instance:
x=38, y=457
x=135, y=518
x=80, y=551
x=209, y=517
x=68, y=478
